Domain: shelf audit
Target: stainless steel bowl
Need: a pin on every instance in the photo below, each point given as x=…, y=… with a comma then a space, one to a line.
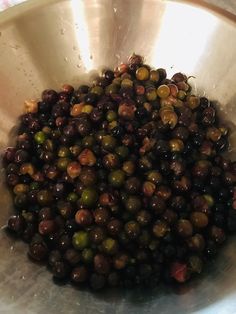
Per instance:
x=44, y=43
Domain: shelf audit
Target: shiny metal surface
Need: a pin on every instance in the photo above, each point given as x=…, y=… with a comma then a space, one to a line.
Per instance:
x=44, y=43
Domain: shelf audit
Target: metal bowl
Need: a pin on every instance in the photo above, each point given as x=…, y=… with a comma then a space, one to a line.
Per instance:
x=44, y=43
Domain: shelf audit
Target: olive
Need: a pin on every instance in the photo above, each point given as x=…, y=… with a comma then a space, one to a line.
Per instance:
x=21, y=200
x=110, y=246
x=21, y=156
x=83, y=217
x=109, y=75
x=154, y=76
x=120, y=261
x=163, y=91
x=70, y=226
x=9, y=154
x=164, y=192
x=182, y=185
x=21, y=188
x=193, y=101
x=60, y=270
x=217, y=234
x=111, y=161
x=132, y=229
x=96, y=115
x=108, y=142
x=84, y=127
x=148, y=188
x=176, y=145
x=75, y=150
x=101, y=264
x=65, y=209
x=58, y=190
x=64, y=242
x=199, y=220
x=83, y=89
x=208, y=116
x=117, y=131
x=45, y=213
x=154, y=176
x=87, y=255
x=122, y=151
x=135, y=60
x=229, y=178
x=196, y=243
x=178, y=203
x=73, y=169
x=210, y=249
x=47, y=227
x=143, y=217
x=128, y=167
x=38, y=251
x=142, y=74
x=12, y=168
x=97, y=235
x=133, y=185
x=162, y=74
x=162, y=147
x=209, y=200
x=101, y=216
x=44, y=197
x=111, y=115
x=72, y=256
x=133, y=204
x=157, y=204
x=62, y=163
x=151, y=94
x=114, y=227
x=12, y=179
x=90, y=98
x=201, y=168
x=112, y=89
x=79, y=274
x=88, y=176
x=16, y=224
x=89, y=197
x=80, y=240
x=184, y=228
x=87, y=158
x=116, y=178
x=108, y=199
x=49, y=96
x=145, y=164
x=54, y=257
x=181, y=133
x=72, y=197
x=160, y=228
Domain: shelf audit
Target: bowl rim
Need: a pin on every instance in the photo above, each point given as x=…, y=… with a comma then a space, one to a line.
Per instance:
x=22, y=8
x=211, y=8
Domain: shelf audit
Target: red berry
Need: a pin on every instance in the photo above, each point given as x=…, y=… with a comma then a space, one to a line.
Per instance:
x=179, y=272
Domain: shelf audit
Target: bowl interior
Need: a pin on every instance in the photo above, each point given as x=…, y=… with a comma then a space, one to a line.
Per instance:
x=47, y=43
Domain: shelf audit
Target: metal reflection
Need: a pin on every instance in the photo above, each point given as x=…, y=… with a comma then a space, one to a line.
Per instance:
x=81, y=32
x=184, y=35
